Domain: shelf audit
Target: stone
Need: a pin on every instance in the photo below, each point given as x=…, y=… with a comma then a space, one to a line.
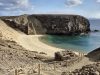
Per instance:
x=96, y=31
x=94, y=54
x=64, y=55
x=91, y=69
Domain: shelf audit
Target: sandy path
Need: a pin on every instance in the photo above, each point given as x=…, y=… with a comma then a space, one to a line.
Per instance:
x=83, y=62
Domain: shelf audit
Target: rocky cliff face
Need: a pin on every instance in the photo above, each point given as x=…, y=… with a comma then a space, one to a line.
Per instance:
x=49, y=24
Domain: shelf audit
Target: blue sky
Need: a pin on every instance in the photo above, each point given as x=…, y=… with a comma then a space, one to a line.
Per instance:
x=87, y=8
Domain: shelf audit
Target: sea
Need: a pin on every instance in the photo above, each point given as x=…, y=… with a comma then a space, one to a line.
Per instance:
x=80, y=43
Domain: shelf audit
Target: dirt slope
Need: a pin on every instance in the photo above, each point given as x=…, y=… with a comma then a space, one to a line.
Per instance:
x=7, y=32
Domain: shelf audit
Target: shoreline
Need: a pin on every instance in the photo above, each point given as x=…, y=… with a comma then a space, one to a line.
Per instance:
x=39, y=46
x=53, y=45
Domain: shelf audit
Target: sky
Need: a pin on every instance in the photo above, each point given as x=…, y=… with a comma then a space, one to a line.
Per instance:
x=86, y=8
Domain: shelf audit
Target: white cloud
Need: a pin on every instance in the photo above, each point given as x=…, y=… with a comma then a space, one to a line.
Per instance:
x=15, y=6
x=98, y=1
x=71, y=3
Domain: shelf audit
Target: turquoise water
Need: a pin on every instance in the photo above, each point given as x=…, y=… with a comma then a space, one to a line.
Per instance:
x=83, y=43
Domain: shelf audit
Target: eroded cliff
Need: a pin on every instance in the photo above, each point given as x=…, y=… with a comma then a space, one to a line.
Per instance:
x=49, y=24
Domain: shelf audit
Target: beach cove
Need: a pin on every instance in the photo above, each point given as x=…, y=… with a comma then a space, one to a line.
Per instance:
x=81, y=43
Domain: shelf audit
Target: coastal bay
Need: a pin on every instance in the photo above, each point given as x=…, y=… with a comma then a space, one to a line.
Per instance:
x=82, y=43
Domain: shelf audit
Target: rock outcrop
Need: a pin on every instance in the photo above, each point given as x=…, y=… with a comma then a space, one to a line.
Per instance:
x=65, y=55
x=92, y=69
x=95, y=54
x=49, y=24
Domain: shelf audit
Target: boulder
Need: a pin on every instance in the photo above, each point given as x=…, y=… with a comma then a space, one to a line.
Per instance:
x=96, y=30
x=95, y=54
x=64, y=55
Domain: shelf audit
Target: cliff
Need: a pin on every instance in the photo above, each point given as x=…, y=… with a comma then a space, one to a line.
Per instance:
x=49, y=24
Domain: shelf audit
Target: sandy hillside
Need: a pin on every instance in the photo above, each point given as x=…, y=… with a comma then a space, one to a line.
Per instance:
x=7, y=32
x=30, y=42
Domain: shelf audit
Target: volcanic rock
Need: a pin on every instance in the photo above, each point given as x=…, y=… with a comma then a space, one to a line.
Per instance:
x=49, y=24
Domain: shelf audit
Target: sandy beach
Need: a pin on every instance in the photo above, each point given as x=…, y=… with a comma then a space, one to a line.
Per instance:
x=32, y=43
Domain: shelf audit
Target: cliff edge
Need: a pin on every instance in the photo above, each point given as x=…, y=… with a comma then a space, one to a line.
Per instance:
x=49, y=24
